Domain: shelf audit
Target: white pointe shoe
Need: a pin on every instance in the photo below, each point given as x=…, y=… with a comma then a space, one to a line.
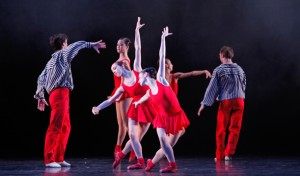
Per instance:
x=64, y=164
x=53, y=165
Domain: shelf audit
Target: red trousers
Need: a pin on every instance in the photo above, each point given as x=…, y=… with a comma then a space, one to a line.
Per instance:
x=230, y=115
x=59, y=128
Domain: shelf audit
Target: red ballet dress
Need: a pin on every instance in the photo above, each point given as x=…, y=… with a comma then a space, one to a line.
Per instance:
x=146, y=111
x=170, y=115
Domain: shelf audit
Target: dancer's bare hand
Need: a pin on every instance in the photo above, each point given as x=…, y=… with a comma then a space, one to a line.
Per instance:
x=41, y=104
x=138, y=24
x=166, y=32
x=98, y=45
x=200, y=109
x=95, y=110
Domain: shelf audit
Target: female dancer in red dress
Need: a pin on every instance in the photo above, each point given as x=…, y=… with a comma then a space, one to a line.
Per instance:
x=123, y=102
x=173, y=79
x=170, y=118
x=139, y=119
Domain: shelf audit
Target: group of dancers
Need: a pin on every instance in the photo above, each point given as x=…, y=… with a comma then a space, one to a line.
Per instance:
x=142, y=97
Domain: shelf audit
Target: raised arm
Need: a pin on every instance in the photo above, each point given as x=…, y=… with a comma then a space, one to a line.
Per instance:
x=162, y=54
x=137, y=66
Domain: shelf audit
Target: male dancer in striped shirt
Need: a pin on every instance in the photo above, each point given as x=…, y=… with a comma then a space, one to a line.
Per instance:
x=227, y=85
x=56, y=79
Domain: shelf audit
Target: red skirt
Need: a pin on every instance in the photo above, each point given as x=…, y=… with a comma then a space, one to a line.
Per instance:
x=172, y=123
x=144, y=112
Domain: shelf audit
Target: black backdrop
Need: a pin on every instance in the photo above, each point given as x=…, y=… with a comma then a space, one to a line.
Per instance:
x=263, y=33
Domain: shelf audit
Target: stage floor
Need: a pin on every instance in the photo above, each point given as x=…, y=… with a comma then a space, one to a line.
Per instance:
x=187, y=166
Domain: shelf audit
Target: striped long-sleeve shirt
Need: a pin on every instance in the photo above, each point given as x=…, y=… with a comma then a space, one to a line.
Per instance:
x=57, y=72
x=228, y=81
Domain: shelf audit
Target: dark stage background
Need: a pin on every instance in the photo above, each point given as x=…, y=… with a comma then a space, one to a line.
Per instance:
x=264, y=34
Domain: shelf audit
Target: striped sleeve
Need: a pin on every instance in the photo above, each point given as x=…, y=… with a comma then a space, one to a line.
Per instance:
x=39, y=94
x=211, y=92
x=72, y=50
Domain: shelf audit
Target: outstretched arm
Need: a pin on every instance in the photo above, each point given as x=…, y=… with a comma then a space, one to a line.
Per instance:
x=137, y=66
x=72, y=50
x=162, y=54
x=179, y=75
x=109, y=101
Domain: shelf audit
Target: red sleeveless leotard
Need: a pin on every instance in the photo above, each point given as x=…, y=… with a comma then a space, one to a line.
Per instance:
x=174, y=84
x=117, y=82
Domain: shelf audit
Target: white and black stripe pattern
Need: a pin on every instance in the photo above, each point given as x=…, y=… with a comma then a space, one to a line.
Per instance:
x=57, y=72
x=228, y=81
